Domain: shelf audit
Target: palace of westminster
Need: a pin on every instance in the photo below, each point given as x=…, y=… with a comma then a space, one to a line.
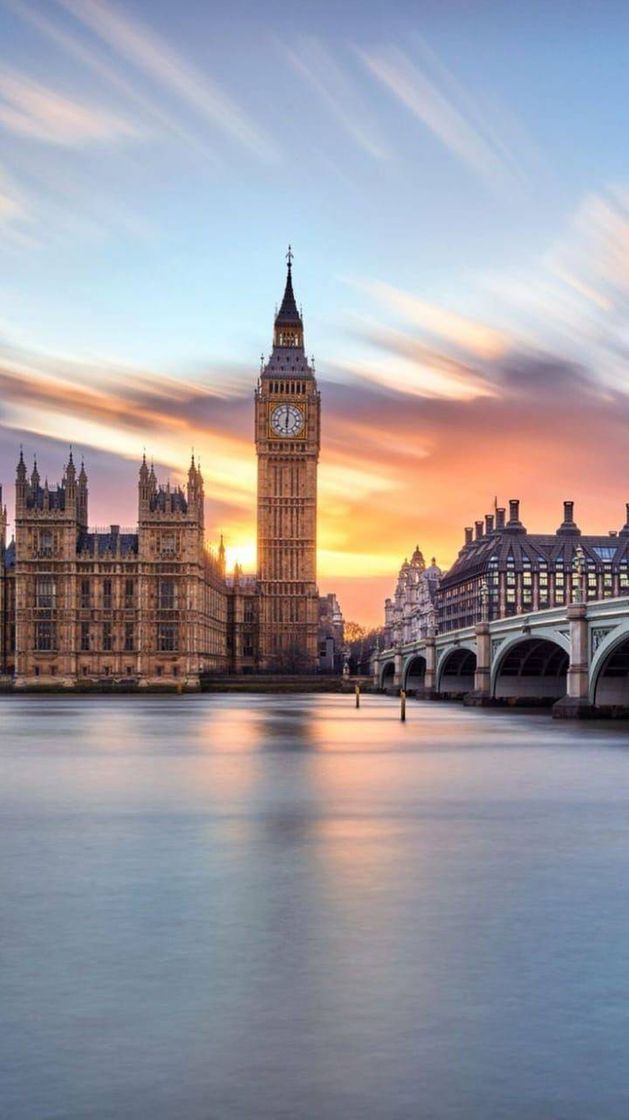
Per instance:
x=156, y=606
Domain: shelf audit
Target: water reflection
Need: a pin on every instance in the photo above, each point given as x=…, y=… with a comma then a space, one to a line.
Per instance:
x=283, y=907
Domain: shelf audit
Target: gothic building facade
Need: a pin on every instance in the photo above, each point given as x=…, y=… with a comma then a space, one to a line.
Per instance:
x=146, y=606
x=153, y=605
x=411, y=614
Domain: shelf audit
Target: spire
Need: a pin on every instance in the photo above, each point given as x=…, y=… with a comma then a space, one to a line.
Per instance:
x=288, y=312
x=71, y=469
x=21, y=467
x=289, y=328
x=192, y=474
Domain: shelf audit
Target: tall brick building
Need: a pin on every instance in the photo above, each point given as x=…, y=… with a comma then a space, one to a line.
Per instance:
x=287, y=405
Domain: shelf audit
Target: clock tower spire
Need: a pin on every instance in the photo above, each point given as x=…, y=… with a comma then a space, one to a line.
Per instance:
x=287, y=406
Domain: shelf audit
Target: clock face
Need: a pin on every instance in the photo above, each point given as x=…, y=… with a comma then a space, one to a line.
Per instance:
x=287, y=420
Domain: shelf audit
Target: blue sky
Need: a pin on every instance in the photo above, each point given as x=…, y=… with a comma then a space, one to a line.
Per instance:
x=453, y=179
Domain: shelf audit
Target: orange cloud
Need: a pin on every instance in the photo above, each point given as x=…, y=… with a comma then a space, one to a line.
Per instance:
x=398, y=466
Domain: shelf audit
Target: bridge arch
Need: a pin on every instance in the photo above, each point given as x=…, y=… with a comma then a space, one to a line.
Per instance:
x=609, y=670
x=531, y=666
x=414, y=672
x=456, y=669
x=387, y=675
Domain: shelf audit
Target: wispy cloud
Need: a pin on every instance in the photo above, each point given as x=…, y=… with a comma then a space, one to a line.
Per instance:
x=11, y=208
x=145, y=49
x=593, y=254
x=448, y=112
x=342, y=97
x=152, y=115
x=467, y=334
x=40, y=113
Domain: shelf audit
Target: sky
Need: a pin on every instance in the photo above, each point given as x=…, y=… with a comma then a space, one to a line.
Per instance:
x=453, y=177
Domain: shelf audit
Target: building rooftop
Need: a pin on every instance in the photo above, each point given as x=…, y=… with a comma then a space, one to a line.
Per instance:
x=100, y=543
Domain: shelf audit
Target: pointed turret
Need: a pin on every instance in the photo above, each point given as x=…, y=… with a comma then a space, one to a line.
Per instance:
x=221, y=555
x=21, y=468
x=144, y=484
x=21, y=484
x=192, y=472
x=70, y=479
x=81, y=497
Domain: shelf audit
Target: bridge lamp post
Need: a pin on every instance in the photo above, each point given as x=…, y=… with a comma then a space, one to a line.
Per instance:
x=578, y=568
x=484, y=600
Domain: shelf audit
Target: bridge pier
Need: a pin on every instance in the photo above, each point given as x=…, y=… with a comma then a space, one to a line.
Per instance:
x=481, y=695
x=430, y=675
x=398, y=675
x=576, y=704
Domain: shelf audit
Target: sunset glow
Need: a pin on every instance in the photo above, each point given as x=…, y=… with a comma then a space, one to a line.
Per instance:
x=476, y=355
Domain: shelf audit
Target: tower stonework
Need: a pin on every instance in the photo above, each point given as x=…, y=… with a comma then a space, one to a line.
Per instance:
x=287, y=427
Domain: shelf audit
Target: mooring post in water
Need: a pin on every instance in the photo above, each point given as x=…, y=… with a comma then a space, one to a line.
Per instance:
x=357, y=691
x=402, y=705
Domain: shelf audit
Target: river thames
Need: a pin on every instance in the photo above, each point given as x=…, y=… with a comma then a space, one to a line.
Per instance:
x=281, y=908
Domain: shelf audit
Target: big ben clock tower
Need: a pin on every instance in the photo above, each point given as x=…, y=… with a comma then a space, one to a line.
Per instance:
x=287, y=406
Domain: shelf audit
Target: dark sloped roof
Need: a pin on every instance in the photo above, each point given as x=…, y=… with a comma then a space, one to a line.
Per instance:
x=163, y=501
x=101, y=543
x=56, y=498
x=9, y=556
x=288, y=361
x=537, y=549
x=288, y=312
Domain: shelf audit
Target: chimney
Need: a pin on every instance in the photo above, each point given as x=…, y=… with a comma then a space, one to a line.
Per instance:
x=500, y=518
x=469, y=534
x=489, y=523
x=114, y=529
x=568, y=524
x=514, y=525
x=479, y=529
x=625, y=529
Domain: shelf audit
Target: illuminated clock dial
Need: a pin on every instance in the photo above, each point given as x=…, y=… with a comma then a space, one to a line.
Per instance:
x=287, y=420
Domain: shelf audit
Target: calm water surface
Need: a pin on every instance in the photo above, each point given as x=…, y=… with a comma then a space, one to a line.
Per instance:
x=268, y=908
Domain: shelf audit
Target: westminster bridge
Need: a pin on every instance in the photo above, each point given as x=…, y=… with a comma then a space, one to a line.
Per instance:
x=575, y=657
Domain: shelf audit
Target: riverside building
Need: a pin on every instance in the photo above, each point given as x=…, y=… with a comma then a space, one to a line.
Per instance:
x=153, y=605
x=504, y=570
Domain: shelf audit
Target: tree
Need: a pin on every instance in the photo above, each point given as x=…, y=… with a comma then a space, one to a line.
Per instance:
x=361, y=643
x=353, y=632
